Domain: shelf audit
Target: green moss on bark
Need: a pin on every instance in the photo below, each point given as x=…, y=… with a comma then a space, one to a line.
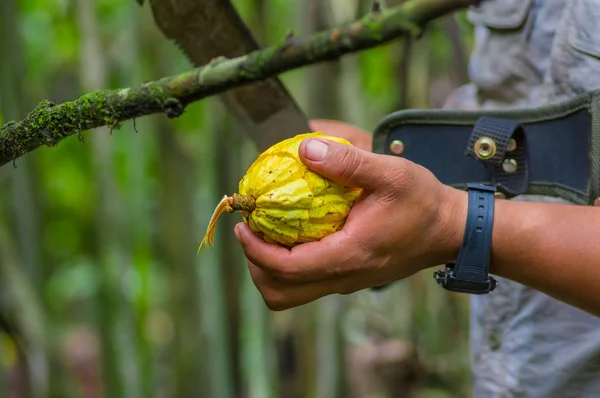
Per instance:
x=48, y=123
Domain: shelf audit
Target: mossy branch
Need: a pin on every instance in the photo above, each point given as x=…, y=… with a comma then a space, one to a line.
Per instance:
x=49, y=123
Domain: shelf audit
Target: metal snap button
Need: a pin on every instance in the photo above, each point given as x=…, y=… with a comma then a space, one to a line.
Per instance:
x=397, y=147
x=512, y=145
x=509, y=165
x=485, y=148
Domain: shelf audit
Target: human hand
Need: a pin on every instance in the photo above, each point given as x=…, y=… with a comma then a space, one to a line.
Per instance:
x=405, y=221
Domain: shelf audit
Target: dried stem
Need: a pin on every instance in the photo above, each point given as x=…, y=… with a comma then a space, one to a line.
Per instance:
x=236, y=202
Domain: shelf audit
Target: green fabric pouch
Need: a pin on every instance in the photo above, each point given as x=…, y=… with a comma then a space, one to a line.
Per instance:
x=551, y=150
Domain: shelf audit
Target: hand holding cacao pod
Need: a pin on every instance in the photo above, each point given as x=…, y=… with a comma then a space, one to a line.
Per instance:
x=286, y=203
x=404, y=221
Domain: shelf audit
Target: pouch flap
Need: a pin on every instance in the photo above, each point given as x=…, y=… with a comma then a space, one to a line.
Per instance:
x=559, y=142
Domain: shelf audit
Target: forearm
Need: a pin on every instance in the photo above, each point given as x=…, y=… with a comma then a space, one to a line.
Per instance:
x=553, y=248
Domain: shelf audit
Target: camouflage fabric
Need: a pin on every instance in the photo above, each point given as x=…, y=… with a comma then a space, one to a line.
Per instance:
x=530, y=53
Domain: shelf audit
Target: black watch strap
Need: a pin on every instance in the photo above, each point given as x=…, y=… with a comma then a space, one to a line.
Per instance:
x=470, y=274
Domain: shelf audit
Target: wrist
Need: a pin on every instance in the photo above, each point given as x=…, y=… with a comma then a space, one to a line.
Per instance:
x=452, y=220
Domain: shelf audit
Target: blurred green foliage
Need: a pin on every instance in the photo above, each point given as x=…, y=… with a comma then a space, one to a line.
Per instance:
x=98, y=235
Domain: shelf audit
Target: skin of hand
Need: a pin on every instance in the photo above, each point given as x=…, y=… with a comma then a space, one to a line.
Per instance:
x=408, y=221
x=403, y=222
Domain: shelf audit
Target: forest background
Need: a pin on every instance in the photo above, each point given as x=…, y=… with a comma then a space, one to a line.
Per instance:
x=101, y=291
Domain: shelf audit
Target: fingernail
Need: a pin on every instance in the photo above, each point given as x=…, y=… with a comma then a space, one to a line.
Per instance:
x=316, y=150
x=236, y=231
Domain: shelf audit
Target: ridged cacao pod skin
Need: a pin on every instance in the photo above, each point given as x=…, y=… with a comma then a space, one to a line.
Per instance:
x=294, y=204
x=286, y=203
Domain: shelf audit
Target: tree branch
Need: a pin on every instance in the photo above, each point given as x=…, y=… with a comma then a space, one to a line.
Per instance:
x=49, y=123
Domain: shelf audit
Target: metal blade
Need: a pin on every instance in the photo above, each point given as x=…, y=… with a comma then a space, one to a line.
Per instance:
x=207, y=29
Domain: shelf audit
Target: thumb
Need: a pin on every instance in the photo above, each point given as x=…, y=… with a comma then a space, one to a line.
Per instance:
x=345, y=164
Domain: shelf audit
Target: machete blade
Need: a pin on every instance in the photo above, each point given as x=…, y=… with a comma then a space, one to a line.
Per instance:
x=207, y=29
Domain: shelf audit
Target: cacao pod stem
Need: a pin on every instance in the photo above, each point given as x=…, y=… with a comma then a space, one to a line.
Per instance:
x=236, y=202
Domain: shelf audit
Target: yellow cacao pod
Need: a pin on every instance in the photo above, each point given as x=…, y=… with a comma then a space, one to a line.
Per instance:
x=286, y=203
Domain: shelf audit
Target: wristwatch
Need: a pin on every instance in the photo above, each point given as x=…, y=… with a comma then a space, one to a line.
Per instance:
x=470, y=273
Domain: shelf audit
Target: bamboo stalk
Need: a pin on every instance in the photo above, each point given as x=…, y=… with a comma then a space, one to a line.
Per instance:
x=258, y=367
x=176, y=242
x=115, y=350
x=220, y=373
x=25, y=203
x=137, y=193
x=324, y=102
x=258, y=371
